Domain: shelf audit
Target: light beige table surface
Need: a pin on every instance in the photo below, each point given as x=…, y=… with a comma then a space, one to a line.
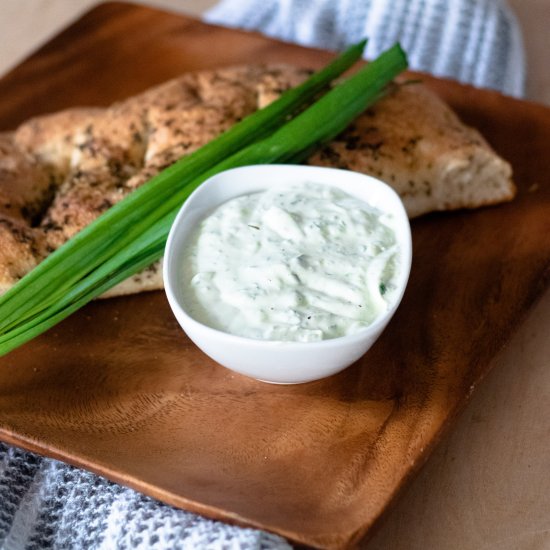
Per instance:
x=487, y=486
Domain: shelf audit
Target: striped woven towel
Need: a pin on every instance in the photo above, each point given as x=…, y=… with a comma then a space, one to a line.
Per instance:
x=473, y=41
x=47, y=504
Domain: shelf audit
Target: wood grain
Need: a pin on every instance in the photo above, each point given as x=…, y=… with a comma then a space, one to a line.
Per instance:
x=118, y=388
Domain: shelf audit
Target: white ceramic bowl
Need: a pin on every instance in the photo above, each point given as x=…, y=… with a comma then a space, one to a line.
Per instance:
x=269, y=361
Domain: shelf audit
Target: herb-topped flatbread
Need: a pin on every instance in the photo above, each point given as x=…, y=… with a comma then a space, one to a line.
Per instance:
x=59, y=172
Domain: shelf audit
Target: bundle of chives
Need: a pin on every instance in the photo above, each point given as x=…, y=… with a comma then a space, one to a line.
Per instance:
x=122, y=242
x=120, y=224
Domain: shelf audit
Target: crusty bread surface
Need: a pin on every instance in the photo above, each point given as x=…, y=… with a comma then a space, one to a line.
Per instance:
x=59, y=172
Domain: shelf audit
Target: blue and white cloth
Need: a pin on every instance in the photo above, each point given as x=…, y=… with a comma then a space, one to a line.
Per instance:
x=474, y=41
x=47, y=504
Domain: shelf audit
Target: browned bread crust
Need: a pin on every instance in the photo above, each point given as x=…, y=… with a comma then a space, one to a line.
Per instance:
x=414, y=142
x=59, y=172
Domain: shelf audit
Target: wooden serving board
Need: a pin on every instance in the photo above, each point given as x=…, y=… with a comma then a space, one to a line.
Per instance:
x=118, y=388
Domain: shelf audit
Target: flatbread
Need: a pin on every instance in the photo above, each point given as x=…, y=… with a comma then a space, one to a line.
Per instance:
x=59, y=172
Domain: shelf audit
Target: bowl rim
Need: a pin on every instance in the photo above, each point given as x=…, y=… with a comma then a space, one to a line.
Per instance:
x=340, y=341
